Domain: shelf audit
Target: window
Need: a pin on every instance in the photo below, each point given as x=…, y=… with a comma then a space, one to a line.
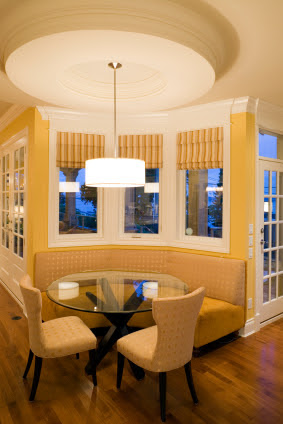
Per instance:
x=203, y=178
x=75, y=211
x=204, y=202
x=142, y=206
x=270, y=145
x=77, y=203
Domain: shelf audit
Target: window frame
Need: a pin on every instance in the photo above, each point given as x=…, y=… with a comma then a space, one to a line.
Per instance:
x=199, y=242
x=122, y=236
x=55, y=239
x=110, y=211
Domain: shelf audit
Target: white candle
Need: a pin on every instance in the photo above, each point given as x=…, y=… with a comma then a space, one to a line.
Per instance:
x=68, y=290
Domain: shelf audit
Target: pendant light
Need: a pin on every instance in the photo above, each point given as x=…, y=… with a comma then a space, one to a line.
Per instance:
x=115, y=172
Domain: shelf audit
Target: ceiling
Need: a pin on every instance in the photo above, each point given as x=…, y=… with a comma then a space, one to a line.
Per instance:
x=174, y=53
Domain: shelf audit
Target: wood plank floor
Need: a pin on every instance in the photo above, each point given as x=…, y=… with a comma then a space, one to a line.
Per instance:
x=241, y=382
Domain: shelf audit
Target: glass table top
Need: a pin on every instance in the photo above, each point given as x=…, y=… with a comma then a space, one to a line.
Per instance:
x=114, y=291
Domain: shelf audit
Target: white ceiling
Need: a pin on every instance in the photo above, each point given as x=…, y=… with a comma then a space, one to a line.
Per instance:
x=70, y=69
x=238, y=41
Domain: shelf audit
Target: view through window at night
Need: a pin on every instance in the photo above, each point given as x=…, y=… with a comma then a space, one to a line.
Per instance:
x=270, y=145
x=77, y=203
x=142, y=206
x=204, y=202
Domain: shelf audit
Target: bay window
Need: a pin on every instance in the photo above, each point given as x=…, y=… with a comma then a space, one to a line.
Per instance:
x=204, y=202
x=77, y=203
x=202, y=181
x=142, y=206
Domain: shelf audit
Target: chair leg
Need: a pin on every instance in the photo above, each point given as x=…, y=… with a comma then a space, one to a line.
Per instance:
x=120, y=368
x=162, y=392
x=36, y=376
x=77, y=356
x=188, y=369
x=30, y=358
x=93, y=365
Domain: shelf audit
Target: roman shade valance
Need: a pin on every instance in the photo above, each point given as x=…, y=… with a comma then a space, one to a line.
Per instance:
x=200, y=149
x=147, y=147
x=73, y=149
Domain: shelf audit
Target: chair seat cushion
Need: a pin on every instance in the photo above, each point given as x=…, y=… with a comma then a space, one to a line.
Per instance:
x=51, y=310
x=216, y=319
x=139, y=347
x=65, y=336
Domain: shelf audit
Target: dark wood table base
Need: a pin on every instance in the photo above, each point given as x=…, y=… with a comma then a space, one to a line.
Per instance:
x=117, y=330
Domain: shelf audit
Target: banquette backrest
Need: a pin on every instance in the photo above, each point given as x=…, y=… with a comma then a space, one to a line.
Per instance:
x=223, y=278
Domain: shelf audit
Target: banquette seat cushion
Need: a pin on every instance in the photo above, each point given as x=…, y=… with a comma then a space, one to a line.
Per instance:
x=224, y=280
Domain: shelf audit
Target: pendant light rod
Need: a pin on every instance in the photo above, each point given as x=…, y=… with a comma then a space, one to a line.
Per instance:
x=115, y=172
x=115, y=66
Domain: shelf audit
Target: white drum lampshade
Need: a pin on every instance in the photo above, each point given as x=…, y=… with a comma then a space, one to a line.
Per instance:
x=115, y=172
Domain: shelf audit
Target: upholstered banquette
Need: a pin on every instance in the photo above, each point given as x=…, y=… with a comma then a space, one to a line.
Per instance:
x=223, y=309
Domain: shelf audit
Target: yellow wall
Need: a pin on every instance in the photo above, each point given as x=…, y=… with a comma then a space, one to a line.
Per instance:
x=38, y=169
x=242, y=191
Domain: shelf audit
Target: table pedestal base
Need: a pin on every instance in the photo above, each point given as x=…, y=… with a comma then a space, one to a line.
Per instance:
x=115, y=332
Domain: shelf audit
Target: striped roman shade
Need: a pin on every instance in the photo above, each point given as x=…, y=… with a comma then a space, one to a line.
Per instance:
x=200, y=149
x=73, y=149
x=147, y=147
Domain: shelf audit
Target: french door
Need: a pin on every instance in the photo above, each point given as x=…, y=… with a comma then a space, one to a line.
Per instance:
x=13, y=215
x=271, y=227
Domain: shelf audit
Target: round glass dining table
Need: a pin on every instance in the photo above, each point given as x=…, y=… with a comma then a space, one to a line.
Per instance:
x=118, y=295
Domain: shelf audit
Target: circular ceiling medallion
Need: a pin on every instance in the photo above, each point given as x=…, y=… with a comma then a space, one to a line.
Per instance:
x=71, y=70
x=93, y=79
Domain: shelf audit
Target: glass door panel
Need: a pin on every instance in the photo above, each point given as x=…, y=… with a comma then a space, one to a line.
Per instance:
x=272, y=239
x=12, y=214
x=6, y=218
x=18, y=209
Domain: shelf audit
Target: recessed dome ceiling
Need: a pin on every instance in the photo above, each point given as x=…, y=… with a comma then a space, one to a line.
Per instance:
x=94, y=80
x=70, y=70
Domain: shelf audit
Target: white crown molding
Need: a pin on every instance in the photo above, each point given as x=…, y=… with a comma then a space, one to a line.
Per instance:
x=49, y=113
x=203, y=29
x=12, y=113
x=192, y=117
x=270, y=117
x=244, y=104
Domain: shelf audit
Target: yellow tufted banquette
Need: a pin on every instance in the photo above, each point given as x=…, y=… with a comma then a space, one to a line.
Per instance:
x=222, y=311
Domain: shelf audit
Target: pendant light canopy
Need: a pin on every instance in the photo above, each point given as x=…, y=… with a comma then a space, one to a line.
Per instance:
x=115, y=172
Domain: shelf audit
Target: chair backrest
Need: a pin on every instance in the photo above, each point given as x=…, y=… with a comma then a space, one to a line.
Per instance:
x=33, y=304
x=176, y=319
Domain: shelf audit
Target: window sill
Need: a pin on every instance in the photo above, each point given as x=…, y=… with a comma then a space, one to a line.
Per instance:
x=211, y=245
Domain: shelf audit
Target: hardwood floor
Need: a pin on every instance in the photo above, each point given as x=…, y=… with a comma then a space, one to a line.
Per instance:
x=241, y=382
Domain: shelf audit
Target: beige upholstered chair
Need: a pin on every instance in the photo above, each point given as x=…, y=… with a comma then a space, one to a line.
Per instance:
x=167, y=345
x=55, y=338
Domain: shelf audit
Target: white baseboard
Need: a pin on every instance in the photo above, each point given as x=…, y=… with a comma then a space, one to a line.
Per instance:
x=252, y=326
x=271, y=320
